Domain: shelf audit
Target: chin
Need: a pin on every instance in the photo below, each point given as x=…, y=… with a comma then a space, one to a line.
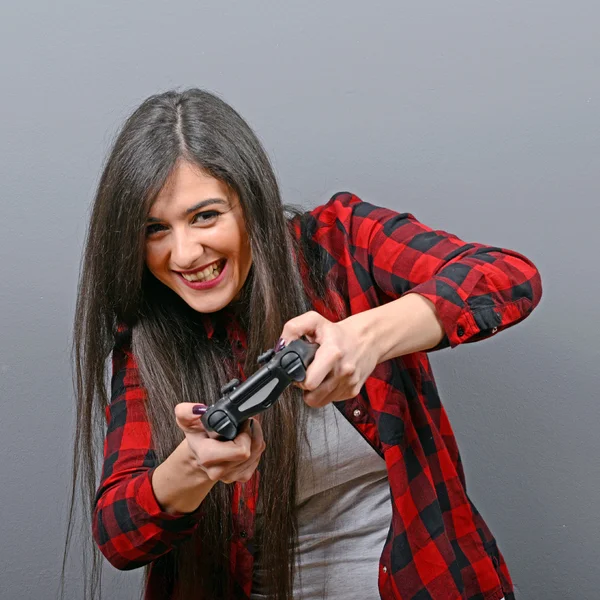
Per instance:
x=207, y=305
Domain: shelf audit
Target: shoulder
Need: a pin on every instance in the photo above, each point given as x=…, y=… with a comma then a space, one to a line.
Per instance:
x=335, y=214
x=339, y=207
x=347, y=217
x=348, y=212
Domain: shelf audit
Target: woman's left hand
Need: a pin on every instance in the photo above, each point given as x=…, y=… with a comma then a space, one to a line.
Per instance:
x=345, y=358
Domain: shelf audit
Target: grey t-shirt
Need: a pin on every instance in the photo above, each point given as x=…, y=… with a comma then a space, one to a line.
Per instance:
x=344, y=512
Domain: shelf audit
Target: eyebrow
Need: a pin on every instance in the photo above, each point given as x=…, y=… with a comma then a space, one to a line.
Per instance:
x=194, y=208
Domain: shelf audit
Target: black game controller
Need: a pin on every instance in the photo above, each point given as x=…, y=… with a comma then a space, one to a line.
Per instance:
x=240, y=401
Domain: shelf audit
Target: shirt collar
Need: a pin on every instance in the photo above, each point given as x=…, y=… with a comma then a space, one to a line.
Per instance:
x=223, y=322
x=209, y=320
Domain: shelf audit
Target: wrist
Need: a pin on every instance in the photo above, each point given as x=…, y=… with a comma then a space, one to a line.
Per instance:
x=370, y=328
x=179, y=484
x=403, y=326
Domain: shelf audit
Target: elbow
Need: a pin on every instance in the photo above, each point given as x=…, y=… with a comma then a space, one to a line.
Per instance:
x=531, y=288
x=536, y=285
x=114, y=544
x=527, y=285
x=526, y=296
x=118, y=562
x=119, y=559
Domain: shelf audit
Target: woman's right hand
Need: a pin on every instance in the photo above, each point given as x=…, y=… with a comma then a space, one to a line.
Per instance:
x=225, y=461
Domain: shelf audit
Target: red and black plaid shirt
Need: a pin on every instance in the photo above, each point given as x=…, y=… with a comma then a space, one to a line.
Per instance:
x=438, y=547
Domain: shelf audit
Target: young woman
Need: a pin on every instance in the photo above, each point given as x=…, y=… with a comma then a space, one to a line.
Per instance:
x=351, y=485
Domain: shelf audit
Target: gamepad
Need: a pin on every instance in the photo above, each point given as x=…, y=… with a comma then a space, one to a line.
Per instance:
x=240, y=401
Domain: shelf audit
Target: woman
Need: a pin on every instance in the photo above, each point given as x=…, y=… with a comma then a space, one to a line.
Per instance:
x=192, y=268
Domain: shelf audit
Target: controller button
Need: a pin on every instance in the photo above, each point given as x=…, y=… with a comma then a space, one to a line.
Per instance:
x=288, y=359
x=266, y=356
x=293, y=366
x=218, y=420
x=229, y=387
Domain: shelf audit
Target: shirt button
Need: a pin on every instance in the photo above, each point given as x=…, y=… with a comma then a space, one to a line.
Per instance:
x=385, y=569
x=460, y=331
x=357, y=413
x=243, y=534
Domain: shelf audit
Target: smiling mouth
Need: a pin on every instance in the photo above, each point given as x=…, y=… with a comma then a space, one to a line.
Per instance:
x=208, y=274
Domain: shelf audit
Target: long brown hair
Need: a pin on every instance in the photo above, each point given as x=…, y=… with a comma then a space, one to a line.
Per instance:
x=177, y=362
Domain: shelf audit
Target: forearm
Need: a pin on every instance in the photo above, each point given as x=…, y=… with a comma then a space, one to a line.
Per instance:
x=403, y=326
x=178, y=483
x=142, y=512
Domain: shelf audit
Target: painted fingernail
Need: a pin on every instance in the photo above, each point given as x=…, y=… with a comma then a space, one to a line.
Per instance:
x=199, y=409
x=251, y=424
x=280, y=345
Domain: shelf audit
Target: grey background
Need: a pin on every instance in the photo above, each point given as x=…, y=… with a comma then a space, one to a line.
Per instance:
x=480, y=117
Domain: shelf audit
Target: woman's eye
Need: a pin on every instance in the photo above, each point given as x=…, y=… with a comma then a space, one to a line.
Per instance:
x=154, y=228
x=208, y=216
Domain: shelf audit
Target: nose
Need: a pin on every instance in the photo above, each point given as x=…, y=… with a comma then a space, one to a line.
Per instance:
x=185, y=251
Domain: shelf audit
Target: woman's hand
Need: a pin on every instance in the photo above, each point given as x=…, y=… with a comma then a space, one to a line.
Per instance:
x=352, y=348
x=345, y=358
x=226, y=461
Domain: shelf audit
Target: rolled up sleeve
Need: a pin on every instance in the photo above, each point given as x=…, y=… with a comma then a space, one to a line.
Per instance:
x=477, y=290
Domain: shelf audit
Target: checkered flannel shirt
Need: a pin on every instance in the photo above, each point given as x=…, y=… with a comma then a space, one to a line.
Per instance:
x=438, y=547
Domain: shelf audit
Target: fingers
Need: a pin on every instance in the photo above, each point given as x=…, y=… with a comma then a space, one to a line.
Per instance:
x=305, y=324
x=215, y=452
x=341, y=364
x=227, y=461
x=313, y=326
x=245, y=471
x=323, y=393
x=323, y=364
x=339, y=384
x=258, y=440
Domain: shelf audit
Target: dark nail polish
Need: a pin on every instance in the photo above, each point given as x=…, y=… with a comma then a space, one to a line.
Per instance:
x=280, y=345
x=199, y=409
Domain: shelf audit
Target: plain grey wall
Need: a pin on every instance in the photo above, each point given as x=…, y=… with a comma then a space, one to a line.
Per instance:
x=480, y=117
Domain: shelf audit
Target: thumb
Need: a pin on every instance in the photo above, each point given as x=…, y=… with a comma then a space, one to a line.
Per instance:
x=188, y=414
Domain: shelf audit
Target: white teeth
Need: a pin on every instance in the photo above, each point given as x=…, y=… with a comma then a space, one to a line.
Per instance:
x=207, y=274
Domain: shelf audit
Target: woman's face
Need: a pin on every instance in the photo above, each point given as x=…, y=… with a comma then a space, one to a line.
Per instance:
x=196, y=239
